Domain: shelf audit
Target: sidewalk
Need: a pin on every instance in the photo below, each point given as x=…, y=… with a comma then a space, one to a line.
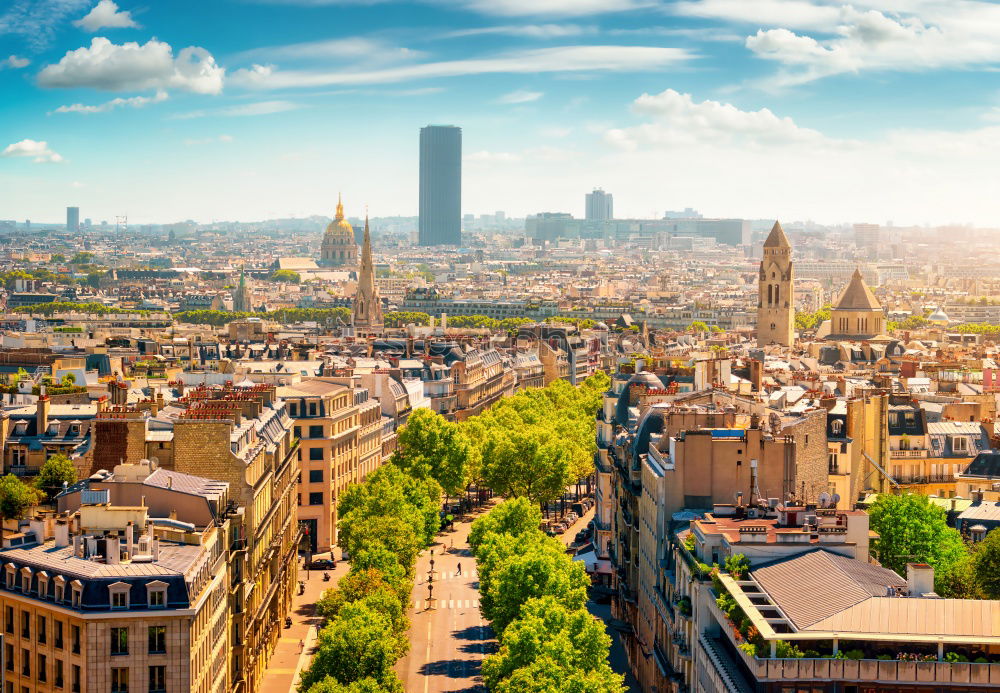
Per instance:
x=288, y=659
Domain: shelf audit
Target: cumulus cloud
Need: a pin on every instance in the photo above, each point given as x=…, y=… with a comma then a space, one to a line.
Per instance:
x=14, y=62
x=106, y=15
x=37, y=150
x=812, y=39
x=131, y=66
x=674, y=118
x=520, y=96
x=545, y=60
x=131, y=102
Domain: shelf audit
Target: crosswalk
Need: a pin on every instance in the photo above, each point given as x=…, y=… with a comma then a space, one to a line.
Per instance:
x=440, y=575
x=423, y=604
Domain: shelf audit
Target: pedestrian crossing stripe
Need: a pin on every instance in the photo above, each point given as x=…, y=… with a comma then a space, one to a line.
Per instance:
x=423, y=604
x=451, y=574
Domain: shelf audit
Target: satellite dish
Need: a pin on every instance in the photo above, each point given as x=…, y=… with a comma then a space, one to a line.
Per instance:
x=834, y=500
x=824, y=498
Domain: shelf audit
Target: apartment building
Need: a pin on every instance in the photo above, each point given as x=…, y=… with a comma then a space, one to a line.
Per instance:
x=340, y=429
x=115, y=598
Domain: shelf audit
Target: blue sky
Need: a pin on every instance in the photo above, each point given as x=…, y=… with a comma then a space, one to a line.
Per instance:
x=249, y=109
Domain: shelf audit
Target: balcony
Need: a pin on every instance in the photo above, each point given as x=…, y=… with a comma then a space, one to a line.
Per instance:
x=908, y=454
x=926, y=479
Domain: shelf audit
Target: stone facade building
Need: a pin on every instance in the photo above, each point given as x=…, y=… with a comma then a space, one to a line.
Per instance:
x=776, y=301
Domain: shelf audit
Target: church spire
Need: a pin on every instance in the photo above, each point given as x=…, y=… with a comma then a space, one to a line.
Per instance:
x=367, y=313
x=340, y=208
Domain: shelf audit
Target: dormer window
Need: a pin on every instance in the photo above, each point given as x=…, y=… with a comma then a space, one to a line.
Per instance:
x=26, y=580
x=20, y=428
x=836, y=427
x=53, y=429
x=119, y=592
x=60, y=589
x=76, y=588
x=960, y=444
x=156, y=594
x=43, y=585
x=74, y=429
x=10, y=576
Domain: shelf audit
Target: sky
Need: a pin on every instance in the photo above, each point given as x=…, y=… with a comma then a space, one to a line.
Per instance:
x=823, y=110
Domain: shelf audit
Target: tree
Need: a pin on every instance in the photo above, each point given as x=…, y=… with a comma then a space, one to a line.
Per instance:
x=526, y=463
x=986, y=564
x=431, y=446
x=57, y=470
x=360, y=644
x=698, y=326
x=737, y=565
x=365, y=685
x=548, y=631
x=284, y=275
x=913, y=530
x=15, y=498
x=516, y=516
x=546, y=675
x=82, y=259
x=542, y=570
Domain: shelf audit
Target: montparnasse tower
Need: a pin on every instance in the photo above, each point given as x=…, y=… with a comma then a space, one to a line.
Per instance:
x=339, y=248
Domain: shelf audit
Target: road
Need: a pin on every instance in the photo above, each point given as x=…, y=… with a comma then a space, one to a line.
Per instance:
x=448, y=637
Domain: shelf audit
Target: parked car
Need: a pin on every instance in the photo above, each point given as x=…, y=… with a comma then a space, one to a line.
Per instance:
x=321, y=564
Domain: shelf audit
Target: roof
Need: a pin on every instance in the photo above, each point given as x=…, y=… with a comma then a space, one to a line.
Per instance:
x=817, y=585
x=857, y=296
x=777, y=238
x=986, y=464
x=979, y=618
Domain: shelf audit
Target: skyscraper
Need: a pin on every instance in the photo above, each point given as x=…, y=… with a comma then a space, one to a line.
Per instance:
x=600, y=206
x=72, y=218
x=440, y=185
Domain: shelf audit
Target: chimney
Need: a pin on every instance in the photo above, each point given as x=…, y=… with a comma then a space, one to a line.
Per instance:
x=42, y=414
x=112, y=549
x=62, y=534
x=37, y=525
x=78, y=546
x=919, y=579
x=130, y=538
x=156, y=548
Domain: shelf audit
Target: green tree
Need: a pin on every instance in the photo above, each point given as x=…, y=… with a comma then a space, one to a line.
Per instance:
x=541, y=570
x=526, y=463
x=547, y=630
x=737, y=565
x=284, y=275
x=15, y=498
x=698, y=326
x=986, y=563
x=365, y=685
x=911, y=529
x=548, y=675
x=516, y=516
x=431, y=446
x=82, y=259
x=359, y=644
x=57, y=470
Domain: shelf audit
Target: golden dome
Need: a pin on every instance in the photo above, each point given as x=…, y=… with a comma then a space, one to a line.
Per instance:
x=340, y=226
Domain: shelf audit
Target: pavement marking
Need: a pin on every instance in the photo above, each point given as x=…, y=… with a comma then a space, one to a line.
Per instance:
x=427, y=658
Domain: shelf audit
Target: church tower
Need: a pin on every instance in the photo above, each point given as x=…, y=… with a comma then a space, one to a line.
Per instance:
x=776, y=302
x=242, y=301
x=367, y=314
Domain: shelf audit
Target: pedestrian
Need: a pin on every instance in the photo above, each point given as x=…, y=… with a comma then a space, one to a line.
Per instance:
x=459, y=568
x=302, y=646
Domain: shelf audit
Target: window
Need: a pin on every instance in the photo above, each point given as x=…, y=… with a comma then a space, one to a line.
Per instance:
x=60, y=589
x=18, y=456
x=9, y=619
x=25, y=624
x=25, y=662
x=316, y=455
x=157, y=639
x=156, y=593
x=75, y=635
x=119, y=641
x=315, y=431
x=42, y=627
x=293, y=409
x=76, y=597
x=119, y=680
x=313, y=409
x=157, y=679
x=836, y=427
x=297, y=431
x=316, y=498
x=57, y=672
x=76, y=678
x=8, y=655
x=58, y=625
x=119, y=594
x=315, y=476
x=959, y=443
x=43, y=669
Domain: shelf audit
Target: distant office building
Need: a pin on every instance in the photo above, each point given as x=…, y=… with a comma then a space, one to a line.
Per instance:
x=72, y=218
x=440, y=185
x=866, y=237
x=501, y=217
x=87, y=224
x=600, y=206
x=686, y=213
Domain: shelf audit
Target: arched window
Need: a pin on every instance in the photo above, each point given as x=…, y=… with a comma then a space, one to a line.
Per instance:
x=770, y=295
x=777, y=288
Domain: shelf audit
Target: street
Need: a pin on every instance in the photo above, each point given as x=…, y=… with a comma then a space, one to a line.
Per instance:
x=449, y=640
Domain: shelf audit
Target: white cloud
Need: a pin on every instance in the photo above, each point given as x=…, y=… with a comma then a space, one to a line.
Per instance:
x=131, y=102
x=38, y=20
x=131, y=66
x=364, y=49
x=540, y=31
x=675, y=118
x=562, y=8
x=106, y=15
x=247, y=109
x=558, y=59
x=14, y=62
x=771, y=165
x=520, y=96
x=914, y=35
x=35, y=149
